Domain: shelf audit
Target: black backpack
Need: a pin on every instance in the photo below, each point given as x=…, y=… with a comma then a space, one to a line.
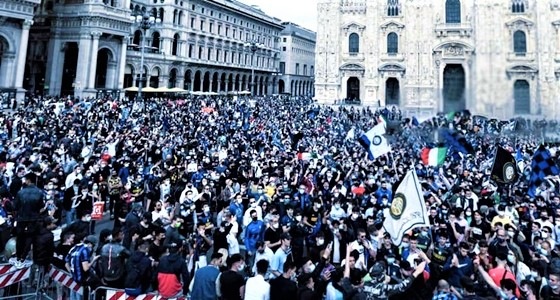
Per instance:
x=111, y=268
x=132, y=280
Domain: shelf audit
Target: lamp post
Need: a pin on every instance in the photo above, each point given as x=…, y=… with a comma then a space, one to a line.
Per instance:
x=144, y=21
x=253, y=46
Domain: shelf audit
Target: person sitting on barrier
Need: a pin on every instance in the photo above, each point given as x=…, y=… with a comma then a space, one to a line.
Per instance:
x=113, y=261
x=173, y=274
x=139, y=271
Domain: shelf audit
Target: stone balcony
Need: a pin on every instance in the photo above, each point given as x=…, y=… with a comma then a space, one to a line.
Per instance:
x=528, y=57
x=453, y=29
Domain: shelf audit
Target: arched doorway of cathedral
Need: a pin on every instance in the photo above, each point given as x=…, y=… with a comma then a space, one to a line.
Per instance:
x=69, y=69
x=454, y=88
x=353, y=88
x=522, y=97
x=392, y=91
x=281, y=86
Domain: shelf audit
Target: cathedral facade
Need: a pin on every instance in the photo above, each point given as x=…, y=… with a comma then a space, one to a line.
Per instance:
x=499, y=58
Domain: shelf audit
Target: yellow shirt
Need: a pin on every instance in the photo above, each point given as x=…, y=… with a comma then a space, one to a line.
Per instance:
x=504, y=220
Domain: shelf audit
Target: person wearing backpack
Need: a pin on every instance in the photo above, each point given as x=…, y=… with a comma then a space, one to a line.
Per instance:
x=112, y=262
x=79, y=262
x=139, y=271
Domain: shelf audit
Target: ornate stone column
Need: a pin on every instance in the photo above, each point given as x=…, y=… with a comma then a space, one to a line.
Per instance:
x=122, y=62
x=7, y=69
x=93, y=61
x=55, y=63
x=179, y=81
x=111, y=74
x=22, y=53
x=84, y=61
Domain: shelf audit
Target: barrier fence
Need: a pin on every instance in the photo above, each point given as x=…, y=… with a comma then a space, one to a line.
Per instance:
x=61, y=283
x=117, y=294
x=11, y=280
x=64, y=279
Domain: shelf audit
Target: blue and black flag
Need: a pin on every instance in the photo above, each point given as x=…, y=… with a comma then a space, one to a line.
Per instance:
x=542, y=165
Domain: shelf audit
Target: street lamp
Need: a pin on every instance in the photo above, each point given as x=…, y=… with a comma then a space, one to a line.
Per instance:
x=143, y=20
x=253, y=46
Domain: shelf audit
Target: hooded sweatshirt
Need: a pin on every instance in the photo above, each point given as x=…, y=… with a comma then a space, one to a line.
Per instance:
x=170, y=270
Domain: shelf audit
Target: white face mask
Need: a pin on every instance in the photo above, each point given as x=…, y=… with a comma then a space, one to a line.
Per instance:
x=337, y=206
x=253, y=205
x=404, y=245
x=298, y=218
x=310, y=269
x=320, y=242
x=275, y=225
x=88, y=219
x=511, y=258
x=241, y=267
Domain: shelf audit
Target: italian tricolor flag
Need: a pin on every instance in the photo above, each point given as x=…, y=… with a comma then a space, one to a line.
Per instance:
x=307, y=155
x=433, y=156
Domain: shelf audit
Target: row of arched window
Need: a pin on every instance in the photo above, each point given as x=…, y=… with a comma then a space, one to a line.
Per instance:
x=392, y=43
x=453, y=9
x=519, y=43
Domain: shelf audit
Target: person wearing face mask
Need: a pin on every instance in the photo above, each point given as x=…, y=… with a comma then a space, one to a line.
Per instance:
x=304, y=198
x=501, y=271
x=253, y=206
x=172, y=235
x=520, y=269
x=284, y=286
x=501, y=217
x=552, y=289
x=253, y=233
x=299, y=233
x=232, y=283
x=337, y=212
x=272, y=234
x=312, y=216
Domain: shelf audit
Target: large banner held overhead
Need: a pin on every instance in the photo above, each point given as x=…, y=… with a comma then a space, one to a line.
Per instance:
x=408, y=209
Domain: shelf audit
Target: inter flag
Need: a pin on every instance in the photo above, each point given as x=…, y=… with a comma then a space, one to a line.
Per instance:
x=375, y=142
x=503, y=169
x=542, y=166
x=408, y=209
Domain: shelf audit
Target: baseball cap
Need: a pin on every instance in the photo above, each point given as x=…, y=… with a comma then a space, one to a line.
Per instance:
x=92, y=239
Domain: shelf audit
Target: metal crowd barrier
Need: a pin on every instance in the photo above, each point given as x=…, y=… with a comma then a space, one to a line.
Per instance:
x=11, y=282
x=119, y=294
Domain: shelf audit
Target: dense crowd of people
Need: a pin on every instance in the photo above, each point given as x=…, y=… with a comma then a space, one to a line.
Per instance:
x=270, y=198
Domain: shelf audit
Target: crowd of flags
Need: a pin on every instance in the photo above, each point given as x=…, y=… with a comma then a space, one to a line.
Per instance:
x=408, y=209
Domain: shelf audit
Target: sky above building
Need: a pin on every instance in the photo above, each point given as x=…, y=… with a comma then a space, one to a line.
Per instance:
x=301, y=12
